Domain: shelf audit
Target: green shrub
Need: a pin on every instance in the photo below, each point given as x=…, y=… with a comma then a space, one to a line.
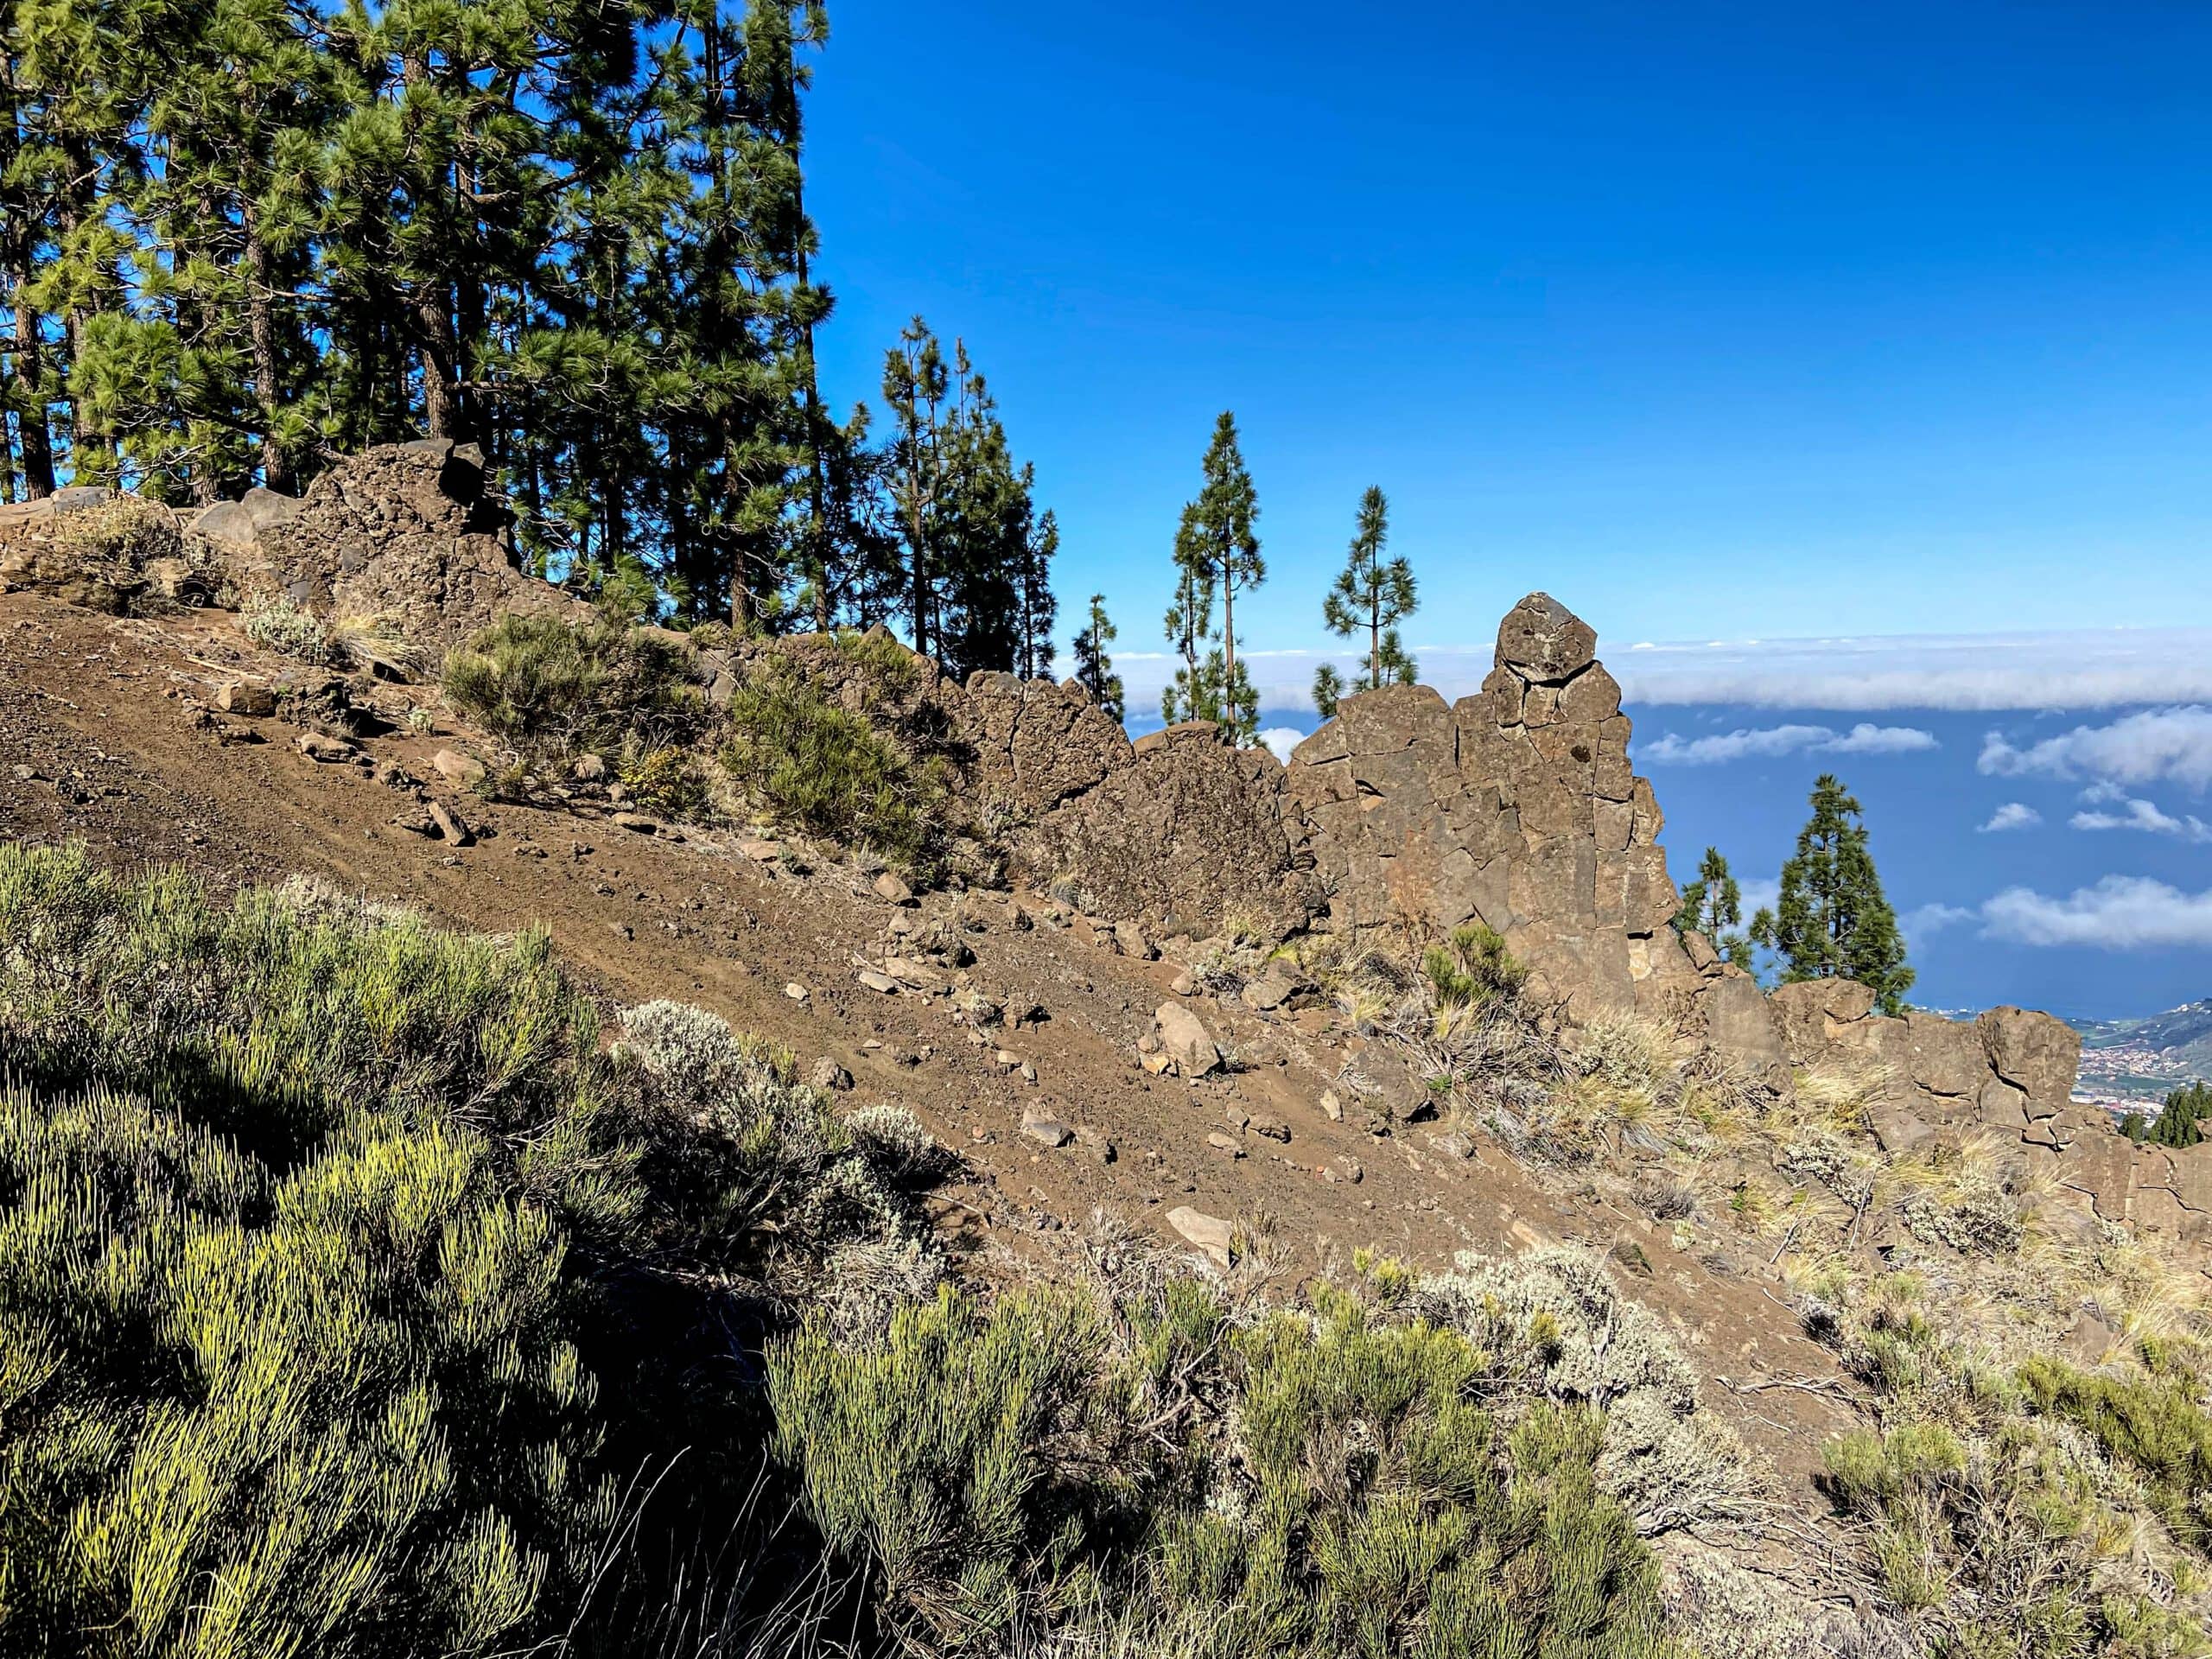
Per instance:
x=548, y=686
x=1305, y=1484
x=2157, y=1425
x=1472, y=968
x=277, y=625
x=285, y=1209
x=1993, y=1540
x=312, y=1223
x=1384, y=1513
x=666, y=780
x=824, y=770
x=925, y=1455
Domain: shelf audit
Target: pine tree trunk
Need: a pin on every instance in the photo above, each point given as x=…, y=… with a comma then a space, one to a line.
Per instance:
x=436, y=324
x=1229, y=643
x=30, y=411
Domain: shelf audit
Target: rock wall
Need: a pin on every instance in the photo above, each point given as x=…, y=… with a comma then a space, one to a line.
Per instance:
x=1518, y=807
x=1188, y=834
x=1178, y=831
x=2008, y=1072
x=1515, y=807
x=406, y=532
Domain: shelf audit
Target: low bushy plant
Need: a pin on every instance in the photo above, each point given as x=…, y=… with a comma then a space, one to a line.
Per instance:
x=2157, y=1425
x=821, y=769
x=277, y=625
x=1472, y=968
x=346, y=1284
x=549, y=686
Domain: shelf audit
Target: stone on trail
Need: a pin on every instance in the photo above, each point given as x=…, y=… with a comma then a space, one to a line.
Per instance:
x=245, y=697
x=1183, y=1038
x=464, y=771
x=1209, y=1233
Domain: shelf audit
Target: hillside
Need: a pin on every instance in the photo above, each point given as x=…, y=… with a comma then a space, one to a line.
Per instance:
x=2144, y=1060
x=1828, y=1333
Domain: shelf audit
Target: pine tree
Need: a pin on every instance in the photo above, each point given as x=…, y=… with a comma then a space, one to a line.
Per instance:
x=1373, y=595
x=1216, y=551
x=1189, y=621
x=1328, y=690
x=1093, y=669
x=1039, y=609
x=915, y=382
x=1832, y=920
x=1713, y=905
x=2180, y=1121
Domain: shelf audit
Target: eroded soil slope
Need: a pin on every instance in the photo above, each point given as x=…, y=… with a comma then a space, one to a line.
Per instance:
x=110, y=734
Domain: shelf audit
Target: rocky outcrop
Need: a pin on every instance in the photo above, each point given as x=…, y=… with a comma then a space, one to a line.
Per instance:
x=1185, y=833
x=1179, y=831
x=106, y=551
x=407, y=533
x=1515, y=807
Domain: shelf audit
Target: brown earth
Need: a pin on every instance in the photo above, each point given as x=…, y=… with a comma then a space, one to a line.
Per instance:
x=109, y=735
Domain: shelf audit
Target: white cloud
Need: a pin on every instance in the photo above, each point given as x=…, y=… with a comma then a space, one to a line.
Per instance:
x=2013, y=815
x=1280, y=741
x=2105, y=668
x=1919, y=923
x=2119, y=912
x=1758, y=894
x=2147, y=816
x=1866, y=738
x=1741, y=744
x=1747, y=742
x=2148, y=747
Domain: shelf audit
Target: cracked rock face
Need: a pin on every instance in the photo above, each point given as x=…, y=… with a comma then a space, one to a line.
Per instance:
x=1514, y=807
x=405, y=532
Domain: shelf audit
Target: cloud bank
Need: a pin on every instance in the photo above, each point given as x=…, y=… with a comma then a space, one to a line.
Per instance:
x=2153, y=746
x=1766, y=741
x=2147, y=816
x=2083, y=670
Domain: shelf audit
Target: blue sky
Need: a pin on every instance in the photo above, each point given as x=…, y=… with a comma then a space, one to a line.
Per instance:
x=1857, y=364
x=1712, y=320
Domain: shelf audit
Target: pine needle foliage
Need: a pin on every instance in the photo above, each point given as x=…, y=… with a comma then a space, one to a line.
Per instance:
x=1371, y=596
x=1832, y=919
x=549, y=688
x=819, y=768
x=1472, y=968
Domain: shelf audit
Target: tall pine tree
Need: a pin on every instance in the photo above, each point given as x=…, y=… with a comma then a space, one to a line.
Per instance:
x=1713, y=905
x=1093, y=669
x=1832, y=920
x=1217, y=552
x=1372, y=596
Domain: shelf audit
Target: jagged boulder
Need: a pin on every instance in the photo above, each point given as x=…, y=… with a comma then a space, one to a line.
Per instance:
x=1187, y=833
x=1543, y=641
x=407, y=533
x=2036, y=1053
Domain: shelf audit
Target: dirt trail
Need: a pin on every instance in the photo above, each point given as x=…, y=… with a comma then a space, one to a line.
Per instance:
x=104, y=738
